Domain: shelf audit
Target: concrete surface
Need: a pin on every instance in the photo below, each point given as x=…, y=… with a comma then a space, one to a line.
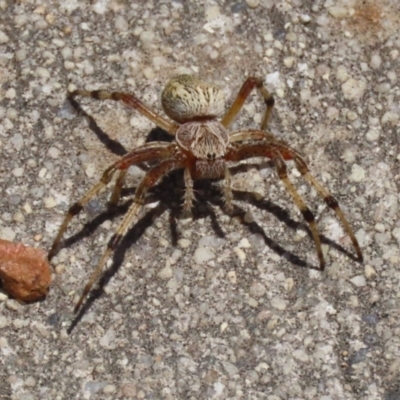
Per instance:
x=209, y=307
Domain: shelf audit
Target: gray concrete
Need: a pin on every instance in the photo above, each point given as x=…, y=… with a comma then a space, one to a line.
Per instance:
x=209, y=307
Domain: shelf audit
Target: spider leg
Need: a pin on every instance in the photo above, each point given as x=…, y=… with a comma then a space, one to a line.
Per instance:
x=119, y=183
x=251, y=134
x=281, y=168
x=189, y=193
x=329, y=200
x=148, y=181
x=148, y=152
x=131, y=101
x=244, y=92
x=227, y=191
x=269, y=147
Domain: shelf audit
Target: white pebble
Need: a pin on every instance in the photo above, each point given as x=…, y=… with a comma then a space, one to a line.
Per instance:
x=18, y=172
x=337, y=12
x=252, y=302
x=289, y=62
x=376, y=61
x=147, y=36
x=373, y=135
x=358, y=281
x=300, y=355
x=90, y=170
x=121, y=23
x=257, y=289
x=7, y=233
x=353, y=89
x=341, y=73
x=53, y=152
x=253, y=3
x=3, y=38
x=202, y=255
x=10, y=94
x=109, y=389
x=166, y=273
x=184, y=243
x=232, y=277
x=279, y=304
x=369, y=272
x=390, y=117
x=20, y=55
x=351, y=115
x=50, y=202
x=240, y=253
x=357, y=173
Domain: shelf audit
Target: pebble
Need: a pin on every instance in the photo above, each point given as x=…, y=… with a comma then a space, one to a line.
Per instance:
x=376, y=61
x=391, y=118
x=373, y=135
x=184, y=243
x=7, y=233
x=232, y=277
x=18, y=172
x=121, y=23
x=357, y=173
x=90, y=170
x=203, y=255
x=301, y=355
x=257, y=289
x=24, y=271
x=338, y=12
x=253, y=3
x=17, y=141
x=10, y=94
x=128, y=389
x=341, y=73
x=252, y=302
x=50, y=202
x=108, y=339
x=396, y=234
x=353, y=89
x=166, y=273
x=53, y=152
x=3, y=38
x=109, y=389
x=358, y=281
x=147, y=37
x=240, y=253
x=369, y=272
x=279, y=304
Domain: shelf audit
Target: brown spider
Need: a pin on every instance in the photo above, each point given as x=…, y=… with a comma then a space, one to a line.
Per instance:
x=202, y=148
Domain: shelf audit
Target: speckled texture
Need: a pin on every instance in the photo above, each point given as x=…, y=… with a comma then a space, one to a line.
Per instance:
x=210, y=307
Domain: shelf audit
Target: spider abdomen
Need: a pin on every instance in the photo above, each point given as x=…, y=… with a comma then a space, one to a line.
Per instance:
x=186, y=97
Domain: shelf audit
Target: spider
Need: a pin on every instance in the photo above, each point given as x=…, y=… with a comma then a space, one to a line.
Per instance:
x=203, y=147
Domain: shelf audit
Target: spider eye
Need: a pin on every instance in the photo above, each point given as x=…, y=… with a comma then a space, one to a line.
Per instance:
x=211, y=156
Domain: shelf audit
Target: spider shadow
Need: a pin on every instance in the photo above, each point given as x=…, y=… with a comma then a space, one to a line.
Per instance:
x=207, y=196
x=115, y=147
x=282, y=215
x=171, y=203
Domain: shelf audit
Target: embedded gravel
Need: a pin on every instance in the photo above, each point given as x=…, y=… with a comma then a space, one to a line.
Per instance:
x=209, y=307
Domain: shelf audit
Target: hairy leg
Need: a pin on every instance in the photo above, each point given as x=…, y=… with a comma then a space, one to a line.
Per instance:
x=131, y=101
x=147, y=182
x=247, y=87
x=148, y=152
x=281, y=168
x=269, y=148
x=189, y=194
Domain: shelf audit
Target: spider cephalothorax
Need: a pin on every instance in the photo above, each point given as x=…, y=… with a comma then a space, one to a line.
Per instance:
x=203, y=147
